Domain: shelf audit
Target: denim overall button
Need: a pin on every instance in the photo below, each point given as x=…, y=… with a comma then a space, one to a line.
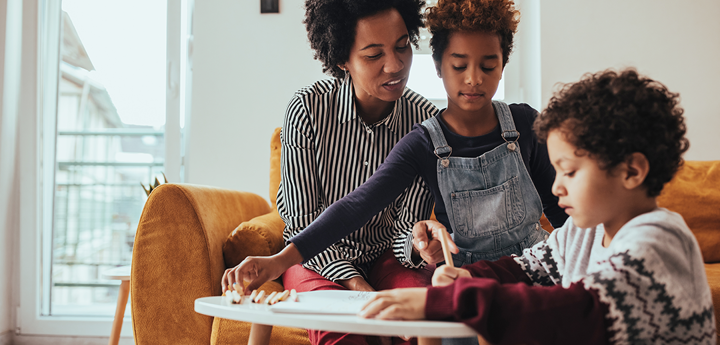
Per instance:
x=511, y=146
x=445, y=162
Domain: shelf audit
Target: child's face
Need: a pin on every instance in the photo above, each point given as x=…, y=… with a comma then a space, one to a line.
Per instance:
x=471, y=69
x=587, y=193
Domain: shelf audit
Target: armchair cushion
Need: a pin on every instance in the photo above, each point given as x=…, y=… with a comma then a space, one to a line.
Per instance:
x=259, y=236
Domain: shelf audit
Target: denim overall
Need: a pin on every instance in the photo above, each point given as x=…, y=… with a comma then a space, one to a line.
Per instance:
x=491, y=201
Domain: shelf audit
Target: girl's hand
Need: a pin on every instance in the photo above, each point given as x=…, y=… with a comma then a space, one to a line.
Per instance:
x=426, y=241
x=446, y=275
x=258, y=269
x=397, y=304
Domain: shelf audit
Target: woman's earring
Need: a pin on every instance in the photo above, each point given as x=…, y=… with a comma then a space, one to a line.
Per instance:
x=347, y=75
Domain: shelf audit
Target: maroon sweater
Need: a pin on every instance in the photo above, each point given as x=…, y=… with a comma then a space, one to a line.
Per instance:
x=501, y=305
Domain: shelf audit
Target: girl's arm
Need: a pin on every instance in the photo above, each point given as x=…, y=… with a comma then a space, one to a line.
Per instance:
x=355, y=209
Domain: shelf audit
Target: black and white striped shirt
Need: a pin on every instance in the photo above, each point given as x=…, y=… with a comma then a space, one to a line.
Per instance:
x=327, y=152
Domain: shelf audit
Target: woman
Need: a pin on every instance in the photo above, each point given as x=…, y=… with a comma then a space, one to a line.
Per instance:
x=335, y=135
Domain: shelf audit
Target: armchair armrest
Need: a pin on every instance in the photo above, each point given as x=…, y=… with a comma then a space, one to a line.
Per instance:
x=177, y=257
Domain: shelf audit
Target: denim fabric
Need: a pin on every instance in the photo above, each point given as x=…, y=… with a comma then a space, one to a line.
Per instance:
x=491, y=201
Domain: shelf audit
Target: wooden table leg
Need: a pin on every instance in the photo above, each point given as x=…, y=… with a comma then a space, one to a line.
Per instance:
x=429, y=341
x=119, y=312
x=259, y=334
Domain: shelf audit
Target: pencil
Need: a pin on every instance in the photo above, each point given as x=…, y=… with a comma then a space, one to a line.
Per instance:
x=444, y=238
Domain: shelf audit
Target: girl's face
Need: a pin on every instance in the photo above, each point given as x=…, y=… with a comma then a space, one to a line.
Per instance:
x=380, y=58
x=471, y=69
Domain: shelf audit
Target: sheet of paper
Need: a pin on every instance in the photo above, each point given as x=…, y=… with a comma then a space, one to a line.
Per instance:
x=325, y=302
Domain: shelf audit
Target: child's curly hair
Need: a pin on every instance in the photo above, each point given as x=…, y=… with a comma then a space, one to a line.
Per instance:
x=495, y=16
x=331, y=26
x=611, y=115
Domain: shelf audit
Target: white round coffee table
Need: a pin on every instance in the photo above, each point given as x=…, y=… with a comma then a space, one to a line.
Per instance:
x=218, y=306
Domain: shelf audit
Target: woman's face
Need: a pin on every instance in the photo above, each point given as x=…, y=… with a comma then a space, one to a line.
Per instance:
x=380, y=58
x=471, y=69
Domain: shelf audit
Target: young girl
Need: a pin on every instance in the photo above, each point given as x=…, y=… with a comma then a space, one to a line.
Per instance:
x=490, y=178
x=621, y=270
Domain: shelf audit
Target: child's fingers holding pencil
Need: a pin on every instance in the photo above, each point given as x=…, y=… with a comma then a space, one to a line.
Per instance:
x=446, y=275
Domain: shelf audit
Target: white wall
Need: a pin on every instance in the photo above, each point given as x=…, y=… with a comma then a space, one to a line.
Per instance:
x=246, y=67
x=674, y=42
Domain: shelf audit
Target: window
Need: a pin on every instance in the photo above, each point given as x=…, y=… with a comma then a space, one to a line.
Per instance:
x=111, y=80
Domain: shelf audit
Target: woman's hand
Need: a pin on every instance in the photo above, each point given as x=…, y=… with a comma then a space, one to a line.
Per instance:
x=397, y=304
x=446, y=275
x=356, y=283
x=258, y=269
x=426, y=241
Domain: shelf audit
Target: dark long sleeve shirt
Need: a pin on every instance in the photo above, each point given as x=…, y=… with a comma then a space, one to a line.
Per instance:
x=413, y=156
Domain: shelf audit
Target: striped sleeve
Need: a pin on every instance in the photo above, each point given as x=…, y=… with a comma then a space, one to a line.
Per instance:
x=299, y=200
x=416, y=205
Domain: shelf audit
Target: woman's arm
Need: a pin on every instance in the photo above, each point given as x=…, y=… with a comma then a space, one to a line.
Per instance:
x=416, y=205
x=300, y=199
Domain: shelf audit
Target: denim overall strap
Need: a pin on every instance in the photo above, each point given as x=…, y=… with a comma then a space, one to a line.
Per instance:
x=507, y=125
x=442, y=150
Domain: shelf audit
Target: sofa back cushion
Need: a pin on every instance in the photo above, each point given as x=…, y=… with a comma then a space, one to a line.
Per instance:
x=695, y=194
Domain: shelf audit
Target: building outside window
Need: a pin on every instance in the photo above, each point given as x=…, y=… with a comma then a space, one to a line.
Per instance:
x=110, y=130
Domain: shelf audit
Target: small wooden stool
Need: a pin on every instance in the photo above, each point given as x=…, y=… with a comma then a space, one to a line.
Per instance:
x=123, y=274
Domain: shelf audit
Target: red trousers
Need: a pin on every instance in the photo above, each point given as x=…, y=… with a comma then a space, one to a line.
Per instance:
x=386, y=273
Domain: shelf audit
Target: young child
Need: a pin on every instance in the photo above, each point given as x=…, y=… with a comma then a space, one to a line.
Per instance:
x=621, y=270
x=489, y=176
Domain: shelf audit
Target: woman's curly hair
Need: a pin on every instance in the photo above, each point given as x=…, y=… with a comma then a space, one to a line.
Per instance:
x=496, y=16
x=331, y=26
x=611, y=115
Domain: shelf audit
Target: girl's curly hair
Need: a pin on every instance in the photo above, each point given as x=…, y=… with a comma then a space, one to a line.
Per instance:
x=331, y=26
x=610, y=115
x=496, y=16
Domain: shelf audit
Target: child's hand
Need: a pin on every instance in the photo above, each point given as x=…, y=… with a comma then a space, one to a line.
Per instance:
x=426, y=241
x=259, y=269
x=446, y=275
x=397, y=304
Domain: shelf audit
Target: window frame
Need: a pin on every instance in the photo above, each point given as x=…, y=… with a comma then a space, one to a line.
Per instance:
x=40, y=36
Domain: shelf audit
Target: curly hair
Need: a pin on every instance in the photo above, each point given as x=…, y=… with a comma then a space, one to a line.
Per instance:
x=611, y=115
x=331, y=26
x=496, y=16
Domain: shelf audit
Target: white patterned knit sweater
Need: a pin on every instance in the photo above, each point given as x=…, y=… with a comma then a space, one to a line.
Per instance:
x=651, y=276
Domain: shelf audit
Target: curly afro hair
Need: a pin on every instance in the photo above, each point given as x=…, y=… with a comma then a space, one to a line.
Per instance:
x=495, y=16
x=611, y=115
x=331, y=26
